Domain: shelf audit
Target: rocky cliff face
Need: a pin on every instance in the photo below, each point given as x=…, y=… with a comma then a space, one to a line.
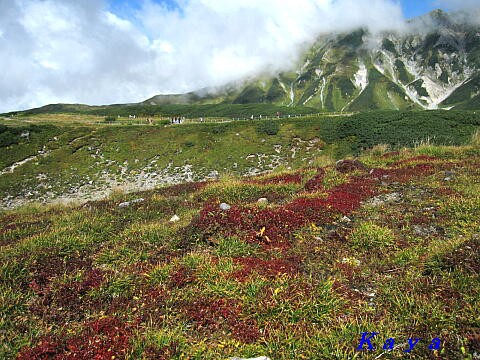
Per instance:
x=433, y=63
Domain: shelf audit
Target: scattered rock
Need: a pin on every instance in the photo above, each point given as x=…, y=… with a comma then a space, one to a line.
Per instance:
x=225, y=207
x=130, y=203
x=262, y=201
x=346, y=166
x=174, y=219
x=346, y=219
x=424, y=231
x=213, y=175
x=449, y=175
x=386, y=198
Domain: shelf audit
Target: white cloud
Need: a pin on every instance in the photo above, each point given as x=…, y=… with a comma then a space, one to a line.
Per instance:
x=77, y=51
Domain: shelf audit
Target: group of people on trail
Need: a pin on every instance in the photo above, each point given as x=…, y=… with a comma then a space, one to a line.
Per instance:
x=177, y=120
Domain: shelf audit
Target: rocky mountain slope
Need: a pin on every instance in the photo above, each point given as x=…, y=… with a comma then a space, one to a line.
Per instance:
x=433, y=63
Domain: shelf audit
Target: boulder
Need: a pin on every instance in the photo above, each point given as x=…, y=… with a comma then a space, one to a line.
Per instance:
x=262, y=201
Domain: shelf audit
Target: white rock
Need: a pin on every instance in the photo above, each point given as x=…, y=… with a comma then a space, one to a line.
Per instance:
x=174, y=219
x=257, y=358
x=129, y=203
x=262, y=201
x=225, y=207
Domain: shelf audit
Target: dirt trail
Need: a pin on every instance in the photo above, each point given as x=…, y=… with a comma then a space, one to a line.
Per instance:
x=10, y=169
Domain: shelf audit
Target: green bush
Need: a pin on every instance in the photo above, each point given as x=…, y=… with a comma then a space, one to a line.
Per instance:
x=369, y=235
x=269, y=127
x=7, y=138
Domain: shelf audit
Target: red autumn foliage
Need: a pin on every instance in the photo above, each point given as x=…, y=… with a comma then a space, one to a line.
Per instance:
x=273, y=227
x=165, y=353
x=102, y=339
x=279, y=179
x=279, y=223
x=51, y=265
x=313, y=210
x=246, y=332
x=212, y=314
x=316, y=183
x=182, y=189
x=268, y=268
x=66, y=302
x=347, y=197
x=403, y=174
x=181, y=277
x=222, y=314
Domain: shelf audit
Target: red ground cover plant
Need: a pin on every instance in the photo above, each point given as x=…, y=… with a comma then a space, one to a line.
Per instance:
x=268, y=268
x=51, y=265
x=246, y=331
x=273, y=226
x=279, y=223
x=403, y=174
x=279, y=179
x=316, y=183
x=214, y=315
x=181, y=277
x=63, y=303
x=168, y=352
x=347, y=197
x=102, y=339
x=182, y=189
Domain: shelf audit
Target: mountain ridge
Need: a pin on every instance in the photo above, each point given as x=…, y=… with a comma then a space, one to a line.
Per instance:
x=435, y=57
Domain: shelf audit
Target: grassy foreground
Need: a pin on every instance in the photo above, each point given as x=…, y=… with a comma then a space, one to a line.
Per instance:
x=391, y=246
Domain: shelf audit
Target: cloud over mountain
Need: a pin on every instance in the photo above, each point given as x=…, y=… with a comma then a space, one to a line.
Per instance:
x=79, y=51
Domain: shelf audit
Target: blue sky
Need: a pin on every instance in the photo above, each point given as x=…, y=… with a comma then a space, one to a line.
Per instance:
x=125, y=8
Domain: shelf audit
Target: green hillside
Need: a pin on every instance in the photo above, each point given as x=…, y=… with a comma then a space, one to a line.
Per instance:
x=88, y=159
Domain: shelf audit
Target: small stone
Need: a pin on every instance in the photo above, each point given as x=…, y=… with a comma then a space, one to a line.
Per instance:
x=257, y=358
x=262, y=201
x=225, y=207
x=129, y=203
x=424, y=231
x=174, y=219
x=213, y=175
x=346, y=219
